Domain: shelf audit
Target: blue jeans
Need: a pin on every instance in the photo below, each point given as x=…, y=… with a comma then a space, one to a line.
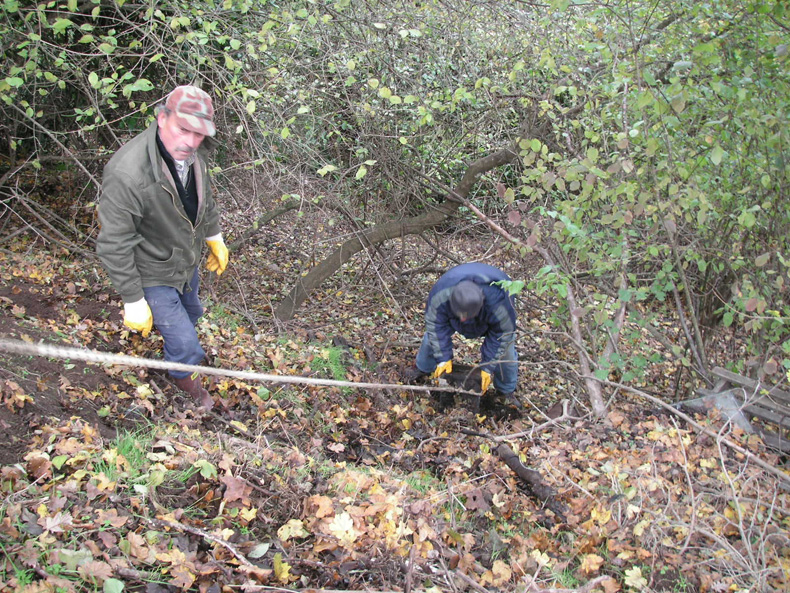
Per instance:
x=505, y=373
x=175, y=316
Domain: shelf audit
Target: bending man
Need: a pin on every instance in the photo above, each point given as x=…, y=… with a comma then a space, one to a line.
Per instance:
x=466, y=301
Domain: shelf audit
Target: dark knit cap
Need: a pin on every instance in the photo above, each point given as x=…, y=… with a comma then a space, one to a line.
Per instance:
x=466, y=299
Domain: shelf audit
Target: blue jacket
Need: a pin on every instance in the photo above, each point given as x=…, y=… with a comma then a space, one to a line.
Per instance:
x=496, y=320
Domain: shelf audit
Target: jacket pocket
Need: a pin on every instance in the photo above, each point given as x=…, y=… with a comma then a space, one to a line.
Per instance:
x=153, y=268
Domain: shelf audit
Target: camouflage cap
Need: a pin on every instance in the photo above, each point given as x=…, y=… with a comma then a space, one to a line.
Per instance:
x=192, y=106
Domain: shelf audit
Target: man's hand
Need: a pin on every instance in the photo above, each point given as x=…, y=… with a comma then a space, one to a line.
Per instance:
x=485, y=381
x=138, y=316
x=217, y=260
x=442, y=368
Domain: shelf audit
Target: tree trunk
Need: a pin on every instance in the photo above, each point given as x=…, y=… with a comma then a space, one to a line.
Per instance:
x=389, y=230
x=259, y=222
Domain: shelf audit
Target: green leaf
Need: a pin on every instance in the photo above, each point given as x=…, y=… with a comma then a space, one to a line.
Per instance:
x=716, y=154
x=747, y=219
x=206, y=468
x=361, y=172
x=326, y=169
x=761, y=260
x=113, y=586
x=284, y=133
x=535, y=145
x=14, y=81
x=59, y=460
x=142, y=84
x=644, y=99
x=512, y=287
x=60, y=25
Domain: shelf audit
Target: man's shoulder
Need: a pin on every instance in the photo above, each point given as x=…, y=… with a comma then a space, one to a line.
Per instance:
x=477, y=272
x=131, y=156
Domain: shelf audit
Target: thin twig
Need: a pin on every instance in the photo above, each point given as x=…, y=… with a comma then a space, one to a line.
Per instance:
x=177, y=525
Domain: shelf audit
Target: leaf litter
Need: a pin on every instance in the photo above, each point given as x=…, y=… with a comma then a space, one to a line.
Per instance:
x=110, y=480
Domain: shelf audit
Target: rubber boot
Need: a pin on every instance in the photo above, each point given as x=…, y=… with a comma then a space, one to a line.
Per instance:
x=192, y=386
x=412, y=375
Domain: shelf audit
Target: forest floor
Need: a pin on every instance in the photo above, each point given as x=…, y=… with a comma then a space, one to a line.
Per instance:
x=112, y=481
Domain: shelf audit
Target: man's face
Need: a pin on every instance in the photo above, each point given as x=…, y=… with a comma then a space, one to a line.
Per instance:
x=179, y=141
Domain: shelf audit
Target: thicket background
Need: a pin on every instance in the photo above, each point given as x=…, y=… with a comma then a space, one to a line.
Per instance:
x=648, y=140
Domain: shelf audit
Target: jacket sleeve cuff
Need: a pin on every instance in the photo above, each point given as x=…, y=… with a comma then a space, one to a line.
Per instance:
x=217, y=237
x=131, y=298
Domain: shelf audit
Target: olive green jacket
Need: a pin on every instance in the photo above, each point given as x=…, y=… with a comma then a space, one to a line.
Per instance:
x=146, y=238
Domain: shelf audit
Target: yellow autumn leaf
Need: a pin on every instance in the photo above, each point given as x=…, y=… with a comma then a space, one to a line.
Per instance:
x=639, y=528
x=591, y=563
x=282, y=570
x=173, y=556
x=236, y=424
x=144, y=391
x=342, y=527
x=540, y=557
x=601, y=516
x=294, y=528
x=501, y=573
x=248, y=514
x=634, y=578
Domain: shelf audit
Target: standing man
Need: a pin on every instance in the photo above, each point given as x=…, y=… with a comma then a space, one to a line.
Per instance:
x=466, y=300
x=156, y=211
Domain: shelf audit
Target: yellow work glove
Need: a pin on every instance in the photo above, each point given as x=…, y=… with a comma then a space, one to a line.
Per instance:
x=217, y=260
x=138, y=316
x=485, y=381
x=442, y=368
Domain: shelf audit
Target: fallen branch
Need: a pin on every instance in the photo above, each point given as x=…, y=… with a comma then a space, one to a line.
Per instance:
x=65, y=352
x=532, y=478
